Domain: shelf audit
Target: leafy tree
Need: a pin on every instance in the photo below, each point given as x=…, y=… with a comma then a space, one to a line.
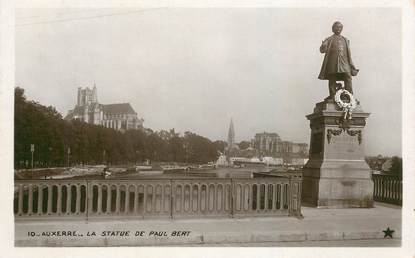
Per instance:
x=244, y=145
x=220, y=146
x=94, y=144
x=396, y=167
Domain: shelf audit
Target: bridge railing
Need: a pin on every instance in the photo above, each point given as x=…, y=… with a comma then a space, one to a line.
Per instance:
x=163, y=198
x=387, y=188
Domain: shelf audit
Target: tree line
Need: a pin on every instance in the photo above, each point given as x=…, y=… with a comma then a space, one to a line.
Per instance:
x=58, y=142
x=389, y=165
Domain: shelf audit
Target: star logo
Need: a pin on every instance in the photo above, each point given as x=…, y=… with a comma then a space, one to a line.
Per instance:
x=388, y=232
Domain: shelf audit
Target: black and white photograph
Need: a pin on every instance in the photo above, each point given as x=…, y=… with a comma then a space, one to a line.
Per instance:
x=205, y=126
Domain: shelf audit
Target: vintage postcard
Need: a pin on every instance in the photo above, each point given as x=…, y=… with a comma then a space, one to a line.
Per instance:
x=277, y=125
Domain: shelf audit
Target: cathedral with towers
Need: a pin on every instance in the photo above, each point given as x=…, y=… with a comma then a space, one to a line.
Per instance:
x=119, y=116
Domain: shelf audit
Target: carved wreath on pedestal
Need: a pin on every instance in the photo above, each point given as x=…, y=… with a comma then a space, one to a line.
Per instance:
x=345, y=100
x=331, y=132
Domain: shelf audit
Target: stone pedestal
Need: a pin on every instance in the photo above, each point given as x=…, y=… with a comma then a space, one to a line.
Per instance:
x=336, y=175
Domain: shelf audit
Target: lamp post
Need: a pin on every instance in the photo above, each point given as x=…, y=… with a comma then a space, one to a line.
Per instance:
x=69, y=152
x=32, y=150
x=103, y=156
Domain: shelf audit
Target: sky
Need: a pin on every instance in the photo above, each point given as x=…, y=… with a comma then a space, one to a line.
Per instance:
x=193, y=69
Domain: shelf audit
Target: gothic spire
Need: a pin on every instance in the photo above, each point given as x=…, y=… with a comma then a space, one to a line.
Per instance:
x=231, y=135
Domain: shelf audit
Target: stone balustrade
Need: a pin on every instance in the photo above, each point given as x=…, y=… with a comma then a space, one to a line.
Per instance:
x=388, y=188
x=157, y=198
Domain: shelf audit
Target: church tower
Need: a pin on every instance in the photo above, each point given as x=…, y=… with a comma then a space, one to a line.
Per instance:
x=231, y=136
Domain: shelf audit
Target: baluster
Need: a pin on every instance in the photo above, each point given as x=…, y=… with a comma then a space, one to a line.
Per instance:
x=288, y=196
x=162, y=198
x=136, y=202
x=215, y=197
x=244, y=199
x=184, y=197
x=59, y=200
x=258, y=196
x=89, y=197
x=30, y=204
x=224, y=197
x=391, y=188
x=381, y=182
x=109, y=198
x=266, y=197
x=380, y=188
x=144, y=198
x=400, y=190
x=388, y=188
x=237, y=196
x=99, y=199
x=117, y=199
x=274, y=196
x=50, y=192
x=78, y=198
x=20, y=200
x=228, y=197
x=209, y=196
x=397, y=189
x=219, y=202
x=68, y=199
x=199, y=198
x=190, y=198
x=176, y=200
x=292, y=201
x=40, y=199
x=251, y=195
x=153, y=199
x=169, y=192
x=380, y=193
x=199, y=194
x=282, y=196
x=127, y=199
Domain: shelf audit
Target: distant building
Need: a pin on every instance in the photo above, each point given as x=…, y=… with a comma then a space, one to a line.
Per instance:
x=271, y=145
x=222, y=161
x=267, y=144
x=232, y=149
x=273, y=161
x=116, y=116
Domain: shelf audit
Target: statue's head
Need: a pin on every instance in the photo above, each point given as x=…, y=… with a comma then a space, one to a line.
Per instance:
x=337, y=27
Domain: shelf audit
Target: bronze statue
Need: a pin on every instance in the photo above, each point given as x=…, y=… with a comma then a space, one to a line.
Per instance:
x=337, y=64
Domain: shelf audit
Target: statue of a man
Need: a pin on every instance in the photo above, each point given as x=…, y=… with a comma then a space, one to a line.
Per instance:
x=337, y=64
